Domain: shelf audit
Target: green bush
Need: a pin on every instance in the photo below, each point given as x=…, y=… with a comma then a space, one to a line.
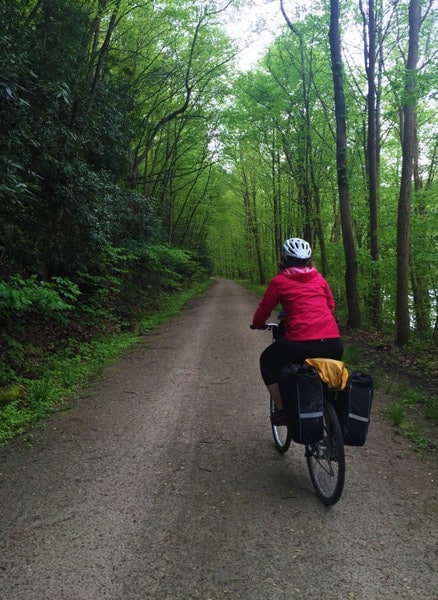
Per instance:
x=25, y=295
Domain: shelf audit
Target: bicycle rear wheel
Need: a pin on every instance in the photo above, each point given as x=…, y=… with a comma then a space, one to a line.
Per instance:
x=281, y=434
x=326, y=459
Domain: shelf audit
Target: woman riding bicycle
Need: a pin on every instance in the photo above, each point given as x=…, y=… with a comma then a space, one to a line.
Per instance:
x=308, y=307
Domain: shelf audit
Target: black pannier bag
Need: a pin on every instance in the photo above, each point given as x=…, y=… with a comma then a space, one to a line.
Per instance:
x=303, y=396
x=353, y=406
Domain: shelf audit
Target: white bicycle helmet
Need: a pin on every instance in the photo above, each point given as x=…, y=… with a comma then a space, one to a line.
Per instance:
x=297, y=248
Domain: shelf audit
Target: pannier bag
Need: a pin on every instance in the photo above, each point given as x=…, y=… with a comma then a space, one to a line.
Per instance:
x=303, y=396
x=353, y=406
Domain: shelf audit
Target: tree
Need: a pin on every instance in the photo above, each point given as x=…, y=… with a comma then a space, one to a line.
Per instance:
x=311, y=191
x=370, y=28
x=404, y=200
x=354, y=318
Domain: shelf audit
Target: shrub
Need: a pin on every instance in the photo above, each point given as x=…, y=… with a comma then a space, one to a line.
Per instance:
x=48, y=297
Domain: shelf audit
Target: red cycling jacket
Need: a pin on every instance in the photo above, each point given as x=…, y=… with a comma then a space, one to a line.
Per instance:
x=307, y=302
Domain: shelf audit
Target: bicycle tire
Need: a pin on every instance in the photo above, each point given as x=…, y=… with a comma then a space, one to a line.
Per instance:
x=281, y=434
x=326, y=459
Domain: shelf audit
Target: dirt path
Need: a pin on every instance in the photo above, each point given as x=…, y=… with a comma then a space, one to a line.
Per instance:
x=157, y=485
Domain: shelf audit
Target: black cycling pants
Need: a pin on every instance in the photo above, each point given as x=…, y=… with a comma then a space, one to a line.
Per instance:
x=282, y=352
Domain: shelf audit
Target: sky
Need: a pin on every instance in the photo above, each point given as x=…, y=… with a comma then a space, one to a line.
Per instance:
x=257, y=25
x=260, y=21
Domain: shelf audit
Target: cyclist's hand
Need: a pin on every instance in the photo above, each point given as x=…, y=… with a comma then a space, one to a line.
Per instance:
x=252, y=326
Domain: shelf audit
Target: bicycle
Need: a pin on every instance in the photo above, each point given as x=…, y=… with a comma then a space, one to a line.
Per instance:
x=325, y=458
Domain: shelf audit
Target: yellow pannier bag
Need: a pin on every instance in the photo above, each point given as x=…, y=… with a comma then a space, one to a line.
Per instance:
x=333, y=372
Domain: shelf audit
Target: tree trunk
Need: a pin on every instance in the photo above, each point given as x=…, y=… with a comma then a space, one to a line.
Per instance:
x=419, y=282
x=352, y=294
x=249, y=199
x=276, y=195
x=372, y=160
x=309, y=188
x=404, y=201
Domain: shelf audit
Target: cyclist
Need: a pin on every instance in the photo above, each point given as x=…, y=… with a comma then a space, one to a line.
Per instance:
x=308, y=307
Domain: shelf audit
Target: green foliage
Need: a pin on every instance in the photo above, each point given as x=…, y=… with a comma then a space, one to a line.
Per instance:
x=12, y=393
x=129, y=279
x=403, y=412
x=396, y=412
x=414, y=433
x=410, y=397
x=48, y=297
x=352, y=356
x=124, y=283
x=413, y=399
x=170, y=267
x=431, y=410
x=12, y=358
x=79, y=102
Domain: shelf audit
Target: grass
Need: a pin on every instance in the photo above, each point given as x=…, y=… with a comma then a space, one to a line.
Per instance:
x=414, y=414
x=397, y=413
x=62, y=376
x=415, y=434
x=352, y=357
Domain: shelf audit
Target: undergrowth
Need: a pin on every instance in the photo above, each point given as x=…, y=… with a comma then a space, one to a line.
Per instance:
x=411, y=410
x=62, y=373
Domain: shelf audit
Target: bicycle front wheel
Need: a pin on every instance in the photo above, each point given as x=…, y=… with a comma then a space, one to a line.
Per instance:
x=281, y=434
x=326, y=459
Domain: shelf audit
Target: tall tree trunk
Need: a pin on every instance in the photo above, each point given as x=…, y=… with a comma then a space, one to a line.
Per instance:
x=419, y=282
x=354, y=318
x=276, y=193
x=372, y=159
x=307, y=178
x=250, y=203
x=99, y=57
x=404, y=200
